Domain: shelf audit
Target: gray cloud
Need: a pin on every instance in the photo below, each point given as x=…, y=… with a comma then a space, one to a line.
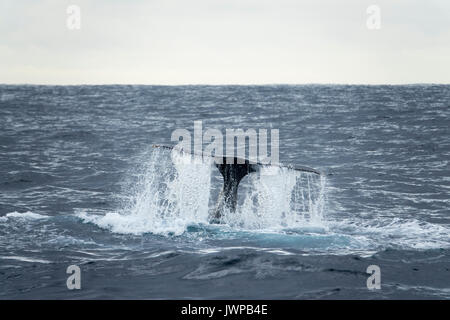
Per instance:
x=224, y=41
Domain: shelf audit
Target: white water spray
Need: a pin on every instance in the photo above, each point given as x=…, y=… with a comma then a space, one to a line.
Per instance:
x=280, y=198
x=172, y=194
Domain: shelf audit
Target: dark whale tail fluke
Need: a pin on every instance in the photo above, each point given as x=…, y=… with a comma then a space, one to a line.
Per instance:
x=233, y=171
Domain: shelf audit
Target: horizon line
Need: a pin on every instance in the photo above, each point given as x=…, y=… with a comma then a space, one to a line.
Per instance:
x=226, y=84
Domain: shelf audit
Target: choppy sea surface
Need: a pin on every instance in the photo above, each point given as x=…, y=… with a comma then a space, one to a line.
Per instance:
x=80, y=184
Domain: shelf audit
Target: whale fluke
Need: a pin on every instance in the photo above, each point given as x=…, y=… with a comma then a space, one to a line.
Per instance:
x=232, y=174
x=233, y=171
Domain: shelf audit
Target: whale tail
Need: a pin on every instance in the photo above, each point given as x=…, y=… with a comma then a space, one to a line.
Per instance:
x=233, y=171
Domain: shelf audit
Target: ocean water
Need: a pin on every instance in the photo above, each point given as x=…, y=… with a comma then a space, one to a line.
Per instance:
x=80, y=184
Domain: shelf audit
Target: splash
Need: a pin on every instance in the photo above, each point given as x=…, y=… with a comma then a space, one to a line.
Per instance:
x=169, y=195
x=172, y=194
x=279, y=198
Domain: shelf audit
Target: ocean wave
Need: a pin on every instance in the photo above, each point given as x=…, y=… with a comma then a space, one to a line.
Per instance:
x=394, y=233
x=134, y=224
x=28, y=215
x=25, y=259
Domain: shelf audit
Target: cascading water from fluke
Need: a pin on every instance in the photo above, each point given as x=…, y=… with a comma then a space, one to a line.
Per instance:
x=278, y=198
x=233, y=170
x=173, y=192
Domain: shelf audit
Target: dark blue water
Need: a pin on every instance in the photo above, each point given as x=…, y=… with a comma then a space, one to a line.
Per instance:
x=80, y=184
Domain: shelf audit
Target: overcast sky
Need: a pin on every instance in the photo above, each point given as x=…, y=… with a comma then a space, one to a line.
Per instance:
x=224, y=42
